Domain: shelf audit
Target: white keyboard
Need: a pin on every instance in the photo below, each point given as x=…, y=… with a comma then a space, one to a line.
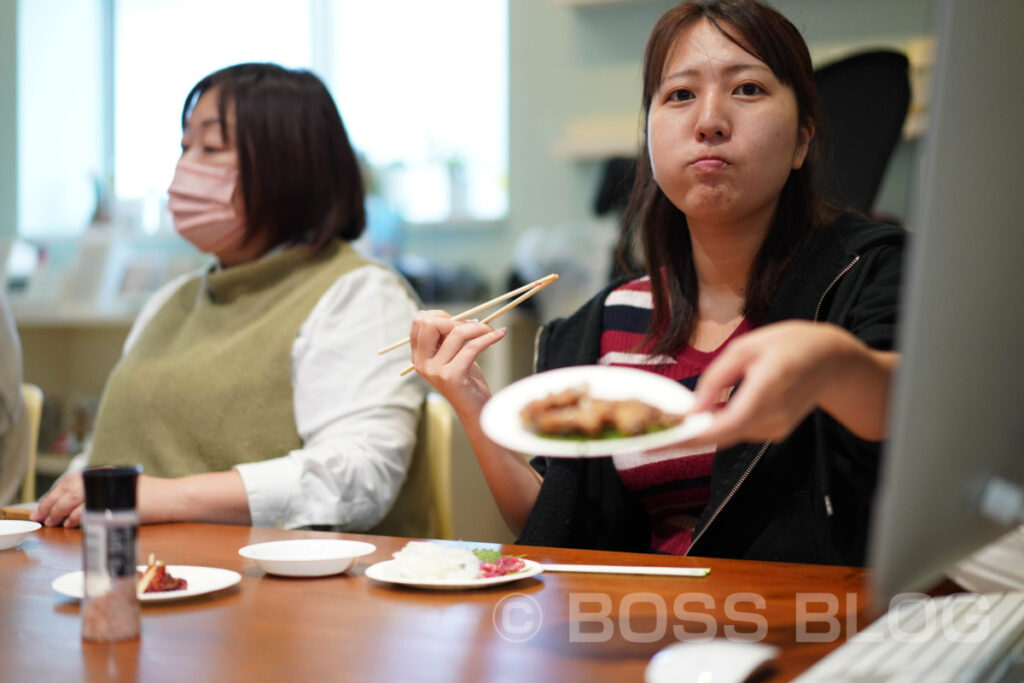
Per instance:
x=966, y=637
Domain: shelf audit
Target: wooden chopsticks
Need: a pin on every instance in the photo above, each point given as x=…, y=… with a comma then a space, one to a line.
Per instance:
x=619, y=569
x=524, y=292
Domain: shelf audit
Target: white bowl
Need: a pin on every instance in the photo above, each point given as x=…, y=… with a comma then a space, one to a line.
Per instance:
x=12, y=531
x=307, y=556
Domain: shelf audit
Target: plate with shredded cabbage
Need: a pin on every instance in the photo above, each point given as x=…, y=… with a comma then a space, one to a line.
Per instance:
x=430, y=565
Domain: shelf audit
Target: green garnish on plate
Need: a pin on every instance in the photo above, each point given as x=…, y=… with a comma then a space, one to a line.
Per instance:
x=488, y=555
x=607, y=434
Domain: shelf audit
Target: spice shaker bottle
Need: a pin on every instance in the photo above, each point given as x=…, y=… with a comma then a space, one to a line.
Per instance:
x=110, y=522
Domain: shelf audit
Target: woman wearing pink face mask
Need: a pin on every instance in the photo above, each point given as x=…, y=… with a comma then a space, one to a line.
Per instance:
x=251, y=392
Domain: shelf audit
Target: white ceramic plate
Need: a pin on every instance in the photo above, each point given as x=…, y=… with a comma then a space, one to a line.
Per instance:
x=201, y=580
x=387, y=572
x=13, y=531
x=307, y=556
x=500, y=418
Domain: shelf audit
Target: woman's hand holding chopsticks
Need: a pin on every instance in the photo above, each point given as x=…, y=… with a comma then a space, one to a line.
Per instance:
x=524, y=293
x=444, y=352
x=445, y=347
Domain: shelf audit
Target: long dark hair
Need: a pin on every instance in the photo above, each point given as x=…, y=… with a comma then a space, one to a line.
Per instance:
x=300, y=180
x=660, y=229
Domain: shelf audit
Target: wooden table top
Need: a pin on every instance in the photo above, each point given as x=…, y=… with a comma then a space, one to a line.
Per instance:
x=554, y=627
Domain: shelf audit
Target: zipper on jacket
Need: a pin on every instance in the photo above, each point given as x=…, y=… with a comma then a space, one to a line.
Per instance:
x=732, y=492
x=829, y=510
x=836, y=279
x=764, y=447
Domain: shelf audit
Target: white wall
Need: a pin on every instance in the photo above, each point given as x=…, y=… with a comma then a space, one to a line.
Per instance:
x=567, y=62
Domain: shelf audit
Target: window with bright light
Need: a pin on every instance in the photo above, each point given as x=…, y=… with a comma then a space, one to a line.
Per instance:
x=60, y=115
x=421, y=86
x=424, y=95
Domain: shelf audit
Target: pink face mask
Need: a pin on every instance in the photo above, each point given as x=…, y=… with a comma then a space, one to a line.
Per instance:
x=200, y=200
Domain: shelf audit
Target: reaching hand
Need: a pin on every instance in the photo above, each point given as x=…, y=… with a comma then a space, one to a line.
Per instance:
x=63, y=504
x=787, y=369
x=444, y=352
x=211, y=497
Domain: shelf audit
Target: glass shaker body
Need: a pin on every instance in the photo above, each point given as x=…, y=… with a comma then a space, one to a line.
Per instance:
x=110, y=604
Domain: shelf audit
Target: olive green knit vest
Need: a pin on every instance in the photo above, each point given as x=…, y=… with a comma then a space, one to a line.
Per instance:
x=207, y=384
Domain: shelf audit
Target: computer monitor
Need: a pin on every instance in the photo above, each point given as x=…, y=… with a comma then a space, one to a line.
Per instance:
x=957, y=418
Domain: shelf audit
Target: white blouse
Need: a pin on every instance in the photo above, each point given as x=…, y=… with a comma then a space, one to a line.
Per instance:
x=355, y=414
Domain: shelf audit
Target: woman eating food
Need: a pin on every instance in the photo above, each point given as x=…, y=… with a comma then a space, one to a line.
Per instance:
x=778, y=309
x=250, y=392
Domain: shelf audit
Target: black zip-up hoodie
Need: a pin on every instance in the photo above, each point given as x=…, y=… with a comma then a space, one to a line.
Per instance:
x=805, y=499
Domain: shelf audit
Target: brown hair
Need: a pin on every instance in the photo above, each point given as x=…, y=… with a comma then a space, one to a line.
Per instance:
x=299, y=177
x=661, y=229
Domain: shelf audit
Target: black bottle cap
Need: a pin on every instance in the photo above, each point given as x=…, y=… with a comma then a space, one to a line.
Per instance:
x=110, y=488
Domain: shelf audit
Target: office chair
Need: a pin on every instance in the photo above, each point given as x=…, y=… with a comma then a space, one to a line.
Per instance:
x=32, y=396
x=617, y=176
x=865, y=99
x=424, y=505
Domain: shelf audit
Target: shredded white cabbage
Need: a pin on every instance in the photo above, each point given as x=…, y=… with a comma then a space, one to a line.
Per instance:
x=424, y=560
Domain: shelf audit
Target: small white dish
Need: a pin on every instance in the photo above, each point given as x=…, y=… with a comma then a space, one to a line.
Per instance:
x=501, y=422
x=307, y=556
x=201, y=580
x=387, y=572
x=13, y=531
